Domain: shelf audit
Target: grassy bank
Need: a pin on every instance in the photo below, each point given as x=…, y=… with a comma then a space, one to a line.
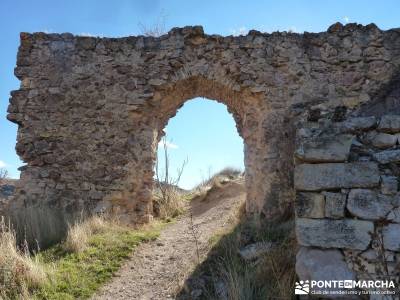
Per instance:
x=76, y=268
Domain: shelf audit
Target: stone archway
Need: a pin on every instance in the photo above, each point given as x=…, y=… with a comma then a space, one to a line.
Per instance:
x=90, y=111
x=245, y=109
x=248, y=111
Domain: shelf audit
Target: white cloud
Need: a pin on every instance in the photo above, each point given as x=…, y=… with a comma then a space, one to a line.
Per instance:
x=2, y=164
x=239, y=31
x=346, y=19
x=169, y=145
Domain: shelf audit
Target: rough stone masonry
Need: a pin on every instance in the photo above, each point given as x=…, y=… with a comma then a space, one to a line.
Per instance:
x=91, y=112
x=347, y=199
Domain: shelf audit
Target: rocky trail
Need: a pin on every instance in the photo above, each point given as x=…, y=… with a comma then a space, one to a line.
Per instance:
x=158, y=269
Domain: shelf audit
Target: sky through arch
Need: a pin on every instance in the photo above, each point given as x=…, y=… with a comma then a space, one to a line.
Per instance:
x=204, y=132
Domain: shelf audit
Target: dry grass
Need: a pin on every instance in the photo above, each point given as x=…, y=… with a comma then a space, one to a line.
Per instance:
x=19, y=272
x=227, y=173
x=79, y=275
x=94, y=249
x=79, y=234
x=215, y=181
x=170, y=203
x=276, y=270
x=270, y=276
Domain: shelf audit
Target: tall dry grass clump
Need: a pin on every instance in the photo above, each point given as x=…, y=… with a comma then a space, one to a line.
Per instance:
x=19, y=271
x=79, y=234
x=169, y=199
x=169, y=203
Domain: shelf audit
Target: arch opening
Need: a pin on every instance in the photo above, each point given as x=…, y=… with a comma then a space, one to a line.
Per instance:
x=255, y=122
x=205, y=132
x=200, y=143
x=239, y=107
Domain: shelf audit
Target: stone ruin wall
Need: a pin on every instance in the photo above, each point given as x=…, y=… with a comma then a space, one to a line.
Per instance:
x=347, y=198
x=91, y=112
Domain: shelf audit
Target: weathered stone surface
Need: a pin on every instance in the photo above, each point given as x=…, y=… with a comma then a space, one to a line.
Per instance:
x=387, y=156
x=91, y=112
x=373, y=255
x=357, y=124
x=315, y=177
x=394, y=215
x=369, y=263
x=389, y=185
x=325, y=233
x=331, y=149
x=382, y=140
x=371, y=205
x=310, y=205
x=335, y=204
x=389, y=123
x=391, y=237
x=368, y=204
x=318, y=264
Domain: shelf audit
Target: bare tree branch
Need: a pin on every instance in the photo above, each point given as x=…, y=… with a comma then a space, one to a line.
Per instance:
x=3, y=175
x=157, y=29
x=167, y=185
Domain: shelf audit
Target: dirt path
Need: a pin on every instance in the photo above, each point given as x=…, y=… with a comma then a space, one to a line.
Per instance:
x=158, y=269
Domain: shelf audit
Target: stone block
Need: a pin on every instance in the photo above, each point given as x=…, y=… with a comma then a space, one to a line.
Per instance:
x=335, y=204
x=389, y=123
x=382, y=140
x=368, y=204
x=310, y=205
x=387, y=156
x=357, y=124
x=389, y=185
x=394, y=215
x=373, y=267
x=319, y=264
x=316, y=177
x=358, y=263
x=325, y=233
x=373, y=255
x=328, y=149
x=391, y=237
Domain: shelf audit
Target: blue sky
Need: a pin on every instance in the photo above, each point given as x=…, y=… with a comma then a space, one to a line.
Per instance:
x=214, y=143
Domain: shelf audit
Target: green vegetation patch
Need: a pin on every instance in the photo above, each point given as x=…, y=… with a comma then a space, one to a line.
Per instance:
x=79, y=275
